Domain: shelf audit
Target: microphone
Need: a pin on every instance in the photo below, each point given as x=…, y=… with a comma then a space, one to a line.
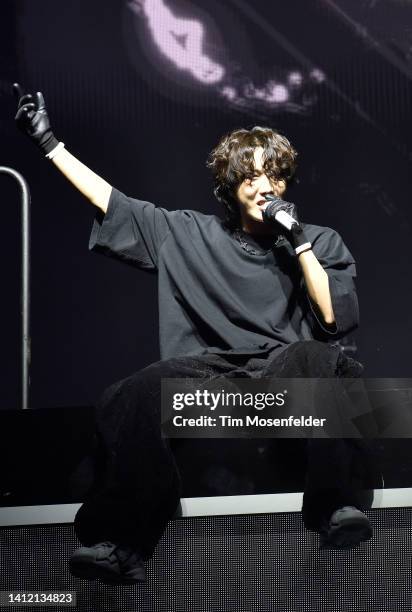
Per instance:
x=277, y=210
x=284, y=213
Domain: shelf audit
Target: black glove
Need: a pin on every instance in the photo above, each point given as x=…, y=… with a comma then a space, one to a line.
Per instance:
x=33, y=120
x=295, y=234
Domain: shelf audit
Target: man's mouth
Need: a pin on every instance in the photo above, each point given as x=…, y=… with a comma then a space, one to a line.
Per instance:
x=262, y=204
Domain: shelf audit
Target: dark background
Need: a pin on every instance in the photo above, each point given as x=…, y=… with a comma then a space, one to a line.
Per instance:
x=125, y=110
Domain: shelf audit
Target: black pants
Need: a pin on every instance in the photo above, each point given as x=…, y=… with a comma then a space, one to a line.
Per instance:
x=137, y=487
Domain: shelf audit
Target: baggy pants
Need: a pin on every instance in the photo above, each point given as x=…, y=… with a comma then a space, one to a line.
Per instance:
x=137, y=486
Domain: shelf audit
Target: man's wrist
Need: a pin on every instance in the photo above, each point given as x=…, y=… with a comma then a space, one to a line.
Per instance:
x=306, y=246
x=299, y=239
x=46, y=141
x=59, y=146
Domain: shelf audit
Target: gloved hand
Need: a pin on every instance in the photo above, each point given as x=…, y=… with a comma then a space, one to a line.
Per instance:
x=294, y=233
x=33, y=120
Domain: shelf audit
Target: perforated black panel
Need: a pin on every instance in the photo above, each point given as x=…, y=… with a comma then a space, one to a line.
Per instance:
x=233, y=563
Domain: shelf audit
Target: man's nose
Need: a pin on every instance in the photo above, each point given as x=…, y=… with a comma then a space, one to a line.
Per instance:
x=265, y=185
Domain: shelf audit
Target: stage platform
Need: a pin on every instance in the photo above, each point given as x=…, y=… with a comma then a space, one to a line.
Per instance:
x=240, y=563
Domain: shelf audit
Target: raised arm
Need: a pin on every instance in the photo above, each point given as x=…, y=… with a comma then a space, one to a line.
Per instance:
x=92, y=186
x=33, y=120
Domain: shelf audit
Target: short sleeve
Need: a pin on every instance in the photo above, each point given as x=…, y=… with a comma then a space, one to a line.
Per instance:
x=130, y=230
x=339, y=264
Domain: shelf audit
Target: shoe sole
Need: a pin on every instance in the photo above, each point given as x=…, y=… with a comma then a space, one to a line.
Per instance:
x=90, y=571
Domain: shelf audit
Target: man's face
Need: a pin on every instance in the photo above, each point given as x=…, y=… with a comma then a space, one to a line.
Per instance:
x=251, y=196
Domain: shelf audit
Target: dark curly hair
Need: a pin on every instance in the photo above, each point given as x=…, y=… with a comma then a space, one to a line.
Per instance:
x=232, y=161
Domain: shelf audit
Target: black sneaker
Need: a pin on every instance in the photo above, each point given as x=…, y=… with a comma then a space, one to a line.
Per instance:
x=112, y=563
x=347, y=528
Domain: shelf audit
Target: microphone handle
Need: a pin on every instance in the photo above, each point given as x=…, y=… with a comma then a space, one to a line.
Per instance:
x=281, y=216
x=285, y=219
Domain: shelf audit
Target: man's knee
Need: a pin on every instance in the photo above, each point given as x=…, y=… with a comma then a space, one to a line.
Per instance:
x=147, y=380
x=324, y=359
x=312, y=349
x=310, y=358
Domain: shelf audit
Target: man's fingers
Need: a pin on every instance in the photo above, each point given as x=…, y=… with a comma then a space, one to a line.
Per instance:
x=27, y=107
x=25, y=99
x=40, y=101
x=24, y=111
x=17, y=90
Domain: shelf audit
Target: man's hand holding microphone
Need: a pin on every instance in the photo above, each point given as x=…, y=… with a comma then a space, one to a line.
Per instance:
x=284, y=213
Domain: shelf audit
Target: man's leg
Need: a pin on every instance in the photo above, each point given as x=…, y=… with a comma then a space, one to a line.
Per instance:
x=337, y=469
x=138, y=489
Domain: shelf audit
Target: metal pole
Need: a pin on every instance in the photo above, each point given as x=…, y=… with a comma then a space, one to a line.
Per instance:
x=25, y=287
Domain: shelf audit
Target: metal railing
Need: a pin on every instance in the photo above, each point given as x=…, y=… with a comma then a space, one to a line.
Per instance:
x=25, y=283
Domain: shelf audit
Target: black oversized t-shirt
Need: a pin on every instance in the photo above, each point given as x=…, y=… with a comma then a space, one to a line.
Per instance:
x=217, y=297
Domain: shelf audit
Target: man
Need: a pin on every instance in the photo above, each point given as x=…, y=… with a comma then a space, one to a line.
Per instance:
x=239, y=297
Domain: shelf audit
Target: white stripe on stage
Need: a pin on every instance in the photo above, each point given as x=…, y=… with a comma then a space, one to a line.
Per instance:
x=199, y=506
